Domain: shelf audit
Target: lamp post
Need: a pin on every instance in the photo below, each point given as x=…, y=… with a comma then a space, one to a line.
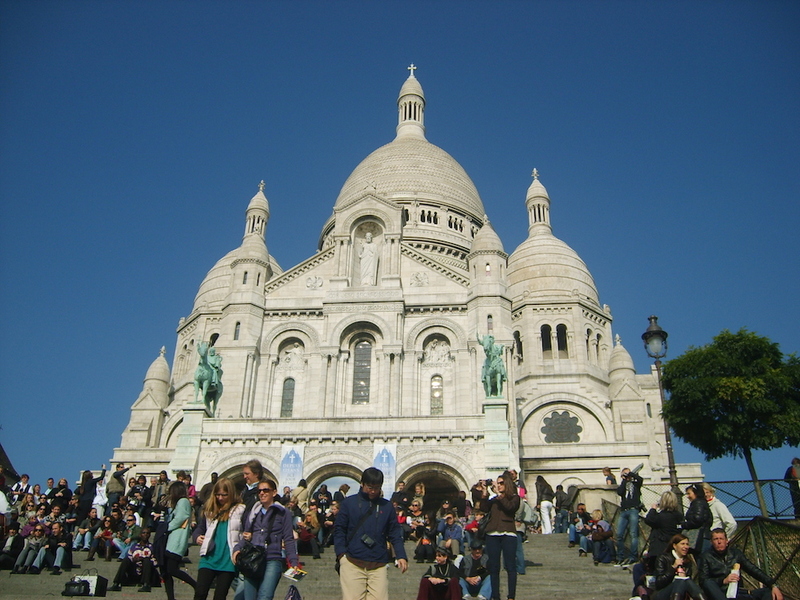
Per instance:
x=655, y=344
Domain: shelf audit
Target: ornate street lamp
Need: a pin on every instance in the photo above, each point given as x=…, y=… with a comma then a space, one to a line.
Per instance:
x=655, y=344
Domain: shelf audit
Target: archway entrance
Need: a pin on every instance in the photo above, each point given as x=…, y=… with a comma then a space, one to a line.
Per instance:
x=441, y=483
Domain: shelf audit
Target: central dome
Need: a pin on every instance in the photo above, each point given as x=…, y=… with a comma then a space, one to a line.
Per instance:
x=411, y=168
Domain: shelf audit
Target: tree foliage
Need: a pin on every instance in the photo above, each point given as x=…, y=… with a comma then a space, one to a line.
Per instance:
x=735, y=395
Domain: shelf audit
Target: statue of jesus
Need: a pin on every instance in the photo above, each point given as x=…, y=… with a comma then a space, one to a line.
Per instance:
x=368, y=255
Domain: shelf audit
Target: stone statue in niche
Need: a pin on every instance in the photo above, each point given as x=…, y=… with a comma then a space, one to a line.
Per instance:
x=293, y=355
x=368, y=258
x=437, y=351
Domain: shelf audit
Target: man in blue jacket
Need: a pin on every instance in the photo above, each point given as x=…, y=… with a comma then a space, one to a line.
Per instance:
x=366, y=521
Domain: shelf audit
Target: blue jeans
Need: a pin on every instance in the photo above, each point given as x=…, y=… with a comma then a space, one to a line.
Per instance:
x=484, y=588
x=628, y=521
x=507, y=545
x=253, y=590
x=520, y=556
x=562, y=520
x=82, y=539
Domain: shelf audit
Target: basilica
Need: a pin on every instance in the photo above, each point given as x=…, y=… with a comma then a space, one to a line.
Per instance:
x=372, y=350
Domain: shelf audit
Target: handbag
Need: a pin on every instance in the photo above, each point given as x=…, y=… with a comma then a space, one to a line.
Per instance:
x=76, y=587
x=252, y=561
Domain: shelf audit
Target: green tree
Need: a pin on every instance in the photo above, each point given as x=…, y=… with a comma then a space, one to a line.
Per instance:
x=733, y=396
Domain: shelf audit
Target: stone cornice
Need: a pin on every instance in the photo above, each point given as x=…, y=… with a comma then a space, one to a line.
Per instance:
x=435, y=265
x=299, y=270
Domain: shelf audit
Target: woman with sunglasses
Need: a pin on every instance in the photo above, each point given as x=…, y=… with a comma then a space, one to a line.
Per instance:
x=178, y=515
x=217, y=533
x=501, y=533
x=33, y=543
x=103, y=539
x=269, y=525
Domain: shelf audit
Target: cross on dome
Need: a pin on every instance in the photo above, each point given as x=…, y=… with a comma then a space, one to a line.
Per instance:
x=535, y=173
x=412, y=68
x=261, y=186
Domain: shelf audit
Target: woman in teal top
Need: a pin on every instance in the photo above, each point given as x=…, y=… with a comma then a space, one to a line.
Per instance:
x=218, y=531
x=178, y=518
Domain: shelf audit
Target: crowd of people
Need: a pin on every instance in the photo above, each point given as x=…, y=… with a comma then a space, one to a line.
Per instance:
x=466, y=539
x=687, y=553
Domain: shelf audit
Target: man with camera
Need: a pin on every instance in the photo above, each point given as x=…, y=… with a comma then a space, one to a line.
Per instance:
x=366, y=521
x=630, y=491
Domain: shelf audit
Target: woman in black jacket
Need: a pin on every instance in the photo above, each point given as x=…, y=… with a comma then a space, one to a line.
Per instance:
x=676, y=572
x=664, y=519
x=698, y=517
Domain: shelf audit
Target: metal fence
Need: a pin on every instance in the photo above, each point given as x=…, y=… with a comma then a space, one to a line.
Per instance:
x=774, y=546
x=739, y=497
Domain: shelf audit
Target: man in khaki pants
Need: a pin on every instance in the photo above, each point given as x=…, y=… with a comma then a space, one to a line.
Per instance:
x=366, y=521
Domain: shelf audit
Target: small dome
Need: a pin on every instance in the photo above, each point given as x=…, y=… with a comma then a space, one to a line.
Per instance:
x=159, y=370
x=217, y=282
x=259, y=201
x=487, y=240
x=620, y=361
x=545, y=267
x=536, y=189
x=411, y=86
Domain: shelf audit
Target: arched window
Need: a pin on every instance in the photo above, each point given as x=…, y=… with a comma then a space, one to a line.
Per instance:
x=490, y=323
x=236, y=330
x=287, y=398
x=214, y=338
x=488, y=270
x=547, y=342
x=599, y=339
x=258, y=279
x=518, y=344
x=244, y=278
x=561, y=338
x=437, y=395
x=362, y=365
x=589, y=356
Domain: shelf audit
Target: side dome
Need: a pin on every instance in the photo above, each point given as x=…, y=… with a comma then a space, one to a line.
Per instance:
x=544, y=267
x=414, y=169
x=487, y=240
x=216, y=284
x=159, y=369
x=620, y=364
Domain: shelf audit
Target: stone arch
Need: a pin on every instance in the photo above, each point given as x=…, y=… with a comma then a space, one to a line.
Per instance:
x=593, y=426
x=171, y=427
x=373, y=321
x=332, y=469
x=457, y=467
x=272, y=340
x=446, y=327
x=355, y=218
x=230, y=465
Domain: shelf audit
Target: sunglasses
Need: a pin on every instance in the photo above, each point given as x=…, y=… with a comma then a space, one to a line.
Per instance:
x=265, y=490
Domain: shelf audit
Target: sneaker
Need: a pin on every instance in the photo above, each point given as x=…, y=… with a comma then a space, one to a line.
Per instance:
x=146, y=588
x=55, y=571
x=581, y=552
x=115, y=588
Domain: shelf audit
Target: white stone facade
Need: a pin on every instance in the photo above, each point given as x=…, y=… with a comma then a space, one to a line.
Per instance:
x=373, y=339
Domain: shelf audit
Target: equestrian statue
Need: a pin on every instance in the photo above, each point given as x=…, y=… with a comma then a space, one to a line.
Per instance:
x=208, y=377
x=493, y=373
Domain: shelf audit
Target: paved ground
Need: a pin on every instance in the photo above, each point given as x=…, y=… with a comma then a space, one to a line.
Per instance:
x=561, y=576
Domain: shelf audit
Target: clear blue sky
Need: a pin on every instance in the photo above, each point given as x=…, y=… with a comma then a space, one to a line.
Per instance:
x=133, y=134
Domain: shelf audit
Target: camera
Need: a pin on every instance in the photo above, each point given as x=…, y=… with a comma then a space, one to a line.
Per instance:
x=367, y=541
